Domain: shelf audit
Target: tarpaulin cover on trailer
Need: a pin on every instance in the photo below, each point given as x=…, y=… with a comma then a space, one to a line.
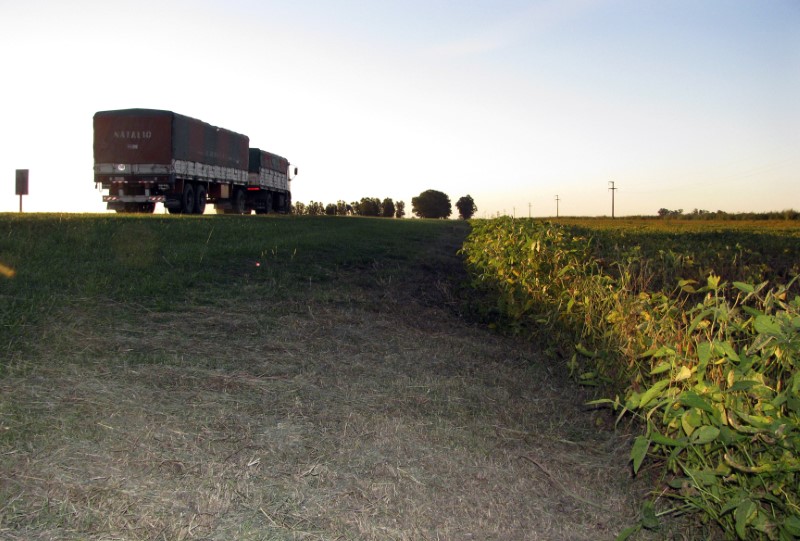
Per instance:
x=153, y=136
x=261, y=159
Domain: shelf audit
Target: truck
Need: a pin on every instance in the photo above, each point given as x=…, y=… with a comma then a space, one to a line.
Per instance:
x=147, y=156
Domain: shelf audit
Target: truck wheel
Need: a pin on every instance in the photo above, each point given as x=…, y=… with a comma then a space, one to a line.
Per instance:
x=200, y=199
x=147, y=208
x=267, y=205
x=187, y=198
x=238, y=202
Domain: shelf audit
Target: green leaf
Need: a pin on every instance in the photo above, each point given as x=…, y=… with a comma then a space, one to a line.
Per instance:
x=742, y=286
x=585, y=352
x=758, y=421
x=649, y=353
x=727, y=348
x=704, y=478
x=792, y=525
x=698, y=318
x=743, y=385
x=692, y=399
x=662, y=367
x=663, y=351
x=687, y=285
x=640, y=446
x=767, y=325
x=704, y=353
x=751, y=311
x=691, y=420
x=744, y=513
x=705, y=434
x=728, y=436
x=600, y=401
x=649, y=518
x=661, y=439
x=653, y=391
x=729, y=506
x=625, y=534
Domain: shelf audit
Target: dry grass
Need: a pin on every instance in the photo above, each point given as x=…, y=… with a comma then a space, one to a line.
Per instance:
x=360, y=411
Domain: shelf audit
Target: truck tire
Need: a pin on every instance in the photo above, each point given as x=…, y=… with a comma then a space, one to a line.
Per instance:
x=267, y=208
x=187, y=198
x=200, y=199
x=239, y=201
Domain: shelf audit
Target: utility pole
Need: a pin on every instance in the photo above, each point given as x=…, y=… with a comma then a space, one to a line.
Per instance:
x=529, y=210
x=557, y=200
x=613, y=189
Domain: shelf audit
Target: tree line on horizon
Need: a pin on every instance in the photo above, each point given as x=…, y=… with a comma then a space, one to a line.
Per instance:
x=367, y=206
x=700, y=214
x=428, y=204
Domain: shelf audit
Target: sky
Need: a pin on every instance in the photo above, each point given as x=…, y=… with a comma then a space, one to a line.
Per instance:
x=682, y=104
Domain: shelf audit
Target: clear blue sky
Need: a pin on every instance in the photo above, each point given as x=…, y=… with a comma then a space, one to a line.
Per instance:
x=683, y=104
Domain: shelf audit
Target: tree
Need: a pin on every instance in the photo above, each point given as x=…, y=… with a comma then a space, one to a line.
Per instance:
x=431, y=204
x=666, y=213
x=299, y=208
x=466, y=207
x=387, y=208
x=400, y=209
x=330, y=209
x=315, y=208
x=369, y=206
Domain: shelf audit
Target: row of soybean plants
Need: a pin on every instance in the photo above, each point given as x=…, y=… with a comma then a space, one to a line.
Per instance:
x=706, y=362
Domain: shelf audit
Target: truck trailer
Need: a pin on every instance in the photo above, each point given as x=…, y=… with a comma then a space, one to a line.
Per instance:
x=148, y=156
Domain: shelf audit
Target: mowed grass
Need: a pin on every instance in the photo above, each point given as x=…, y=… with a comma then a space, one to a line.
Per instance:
x=167, y=377
x=164, y=263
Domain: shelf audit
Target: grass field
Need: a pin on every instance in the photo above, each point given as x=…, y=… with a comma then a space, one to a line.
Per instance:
x=282, y=378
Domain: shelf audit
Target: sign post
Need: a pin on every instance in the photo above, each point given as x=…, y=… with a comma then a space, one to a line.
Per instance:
x=22, y=185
